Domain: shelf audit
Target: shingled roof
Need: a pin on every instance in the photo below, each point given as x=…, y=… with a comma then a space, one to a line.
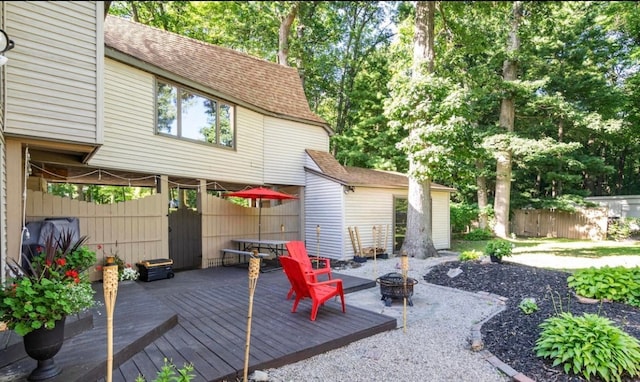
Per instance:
x=251, y=82
x=358, y=176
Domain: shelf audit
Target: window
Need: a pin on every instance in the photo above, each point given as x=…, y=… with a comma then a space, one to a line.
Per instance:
x=184, y=114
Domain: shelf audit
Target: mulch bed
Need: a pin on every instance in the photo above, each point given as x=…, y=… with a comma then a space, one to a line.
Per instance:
x=511, y=335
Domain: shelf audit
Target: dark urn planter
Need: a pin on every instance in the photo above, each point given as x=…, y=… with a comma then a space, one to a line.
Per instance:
x=495, y=259
x=42, y=345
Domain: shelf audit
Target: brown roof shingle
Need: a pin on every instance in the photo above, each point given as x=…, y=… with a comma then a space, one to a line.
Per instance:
x=239, y=77
x=358, y=176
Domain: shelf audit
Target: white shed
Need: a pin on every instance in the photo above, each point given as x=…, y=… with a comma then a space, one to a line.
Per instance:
x=338, y=197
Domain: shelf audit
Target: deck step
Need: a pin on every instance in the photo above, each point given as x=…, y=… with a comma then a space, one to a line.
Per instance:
x=83, y=356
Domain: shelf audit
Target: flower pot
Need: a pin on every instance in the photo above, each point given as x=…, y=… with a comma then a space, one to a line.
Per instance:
x=42, y=345
x=495, y=259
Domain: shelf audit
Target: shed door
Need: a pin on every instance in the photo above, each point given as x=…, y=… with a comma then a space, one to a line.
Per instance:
x=185, y=238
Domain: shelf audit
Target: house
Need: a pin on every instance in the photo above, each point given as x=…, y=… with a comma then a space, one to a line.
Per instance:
x=92, y=99
x=338, y=197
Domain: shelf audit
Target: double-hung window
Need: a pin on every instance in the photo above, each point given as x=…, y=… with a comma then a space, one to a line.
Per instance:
x=185, y=114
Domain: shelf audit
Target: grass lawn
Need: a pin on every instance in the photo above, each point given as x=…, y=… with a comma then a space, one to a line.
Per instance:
x=560, y=247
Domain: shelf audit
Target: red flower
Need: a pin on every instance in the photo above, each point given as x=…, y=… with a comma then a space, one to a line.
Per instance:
x=99, y=268
x=72, y=274
x=39, y=249
x=48, y=263
x=61, y=262
x=77, y=280
x=99, y=246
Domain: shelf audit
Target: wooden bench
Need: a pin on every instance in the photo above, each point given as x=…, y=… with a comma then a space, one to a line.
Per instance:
x=247, y=255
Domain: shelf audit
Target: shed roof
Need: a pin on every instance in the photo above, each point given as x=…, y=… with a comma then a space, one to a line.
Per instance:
x=358, y=176
x=232, y=75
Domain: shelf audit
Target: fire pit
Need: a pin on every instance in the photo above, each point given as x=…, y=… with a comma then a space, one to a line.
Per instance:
x=393, y=286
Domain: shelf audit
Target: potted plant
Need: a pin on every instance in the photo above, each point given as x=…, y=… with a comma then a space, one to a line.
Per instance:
x=125, y=271
x=44, y=288
x=496, y=249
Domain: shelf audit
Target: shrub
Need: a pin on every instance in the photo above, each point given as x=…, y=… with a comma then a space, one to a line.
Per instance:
x=498, y=248
x=170, y=373
x=470, y=255
x=622, y=229
x=528, y=305
x=611, y=283
x=589, y=345
x=479, y=234
x=462, y=215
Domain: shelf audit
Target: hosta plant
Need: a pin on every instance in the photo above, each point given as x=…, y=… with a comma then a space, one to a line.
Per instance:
x=608, y=283
x=589, y=345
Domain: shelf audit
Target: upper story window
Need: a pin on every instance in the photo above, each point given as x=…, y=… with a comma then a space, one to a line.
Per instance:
x=182, y=113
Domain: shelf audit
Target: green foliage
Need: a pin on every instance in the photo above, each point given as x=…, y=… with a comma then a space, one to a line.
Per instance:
x=498, y=248
x=610, y=283
x=622, y=229
x=469, y=255
x=53, y=284
x=589, y=345
x=170, y=373
x=462, y=215
x=528, y=305
x=479, y=234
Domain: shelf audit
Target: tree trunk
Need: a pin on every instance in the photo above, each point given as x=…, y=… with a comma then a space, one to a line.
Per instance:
x=283, y=35
x=418, y=242
x=483, y=199
x=507, y=116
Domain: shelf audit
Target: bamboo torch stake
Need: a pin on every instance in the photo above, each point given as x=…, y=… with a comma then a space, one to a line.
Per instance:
x=318, y=246
x=405, y=269
x=110, y=286
x=282, y=232
x=254, y=271
x=375, y=263
x=386, y=237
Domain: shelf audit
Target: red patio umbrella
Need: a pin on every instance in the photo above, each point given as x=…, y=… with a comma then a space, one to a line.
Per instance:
x=260, y=193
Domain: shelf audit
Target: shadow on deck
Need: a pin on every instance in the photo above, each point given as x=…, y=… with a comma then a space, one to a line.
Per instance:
x=200, y=317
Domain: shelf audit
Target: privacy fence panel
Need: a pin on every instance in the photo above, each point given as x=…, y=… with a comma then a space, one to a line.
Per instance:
x=132, y=229
x=223, y=221
x=583, y=224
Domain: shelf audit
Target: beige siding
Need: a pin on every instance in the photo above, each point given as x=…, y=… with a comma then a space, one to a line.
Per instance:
x=223, y=221
x=366, y=208
x=324, y=206
x=131, y=144
x=55, y=69
x=136, y=226
x=284, y=149
x=441, y=230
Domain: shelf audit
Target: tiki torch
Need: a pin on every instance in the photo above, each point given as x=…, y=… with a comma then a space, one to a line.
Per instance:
x=405, y=268
x=254, y=271
x=110, y=286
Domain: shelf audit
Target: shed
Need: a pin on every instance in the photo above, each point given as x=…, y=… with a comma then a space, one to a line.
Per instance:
x=337, y=197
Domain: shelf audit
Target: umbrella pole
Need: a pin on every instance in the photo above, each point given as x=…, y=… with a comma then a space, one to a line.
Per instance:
x=254, y=271
x=259, y=219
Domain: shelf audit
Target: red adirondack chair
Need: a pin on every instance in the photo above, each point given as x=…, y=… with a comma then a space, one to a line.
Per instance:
x=318, y=292
x=298, y=251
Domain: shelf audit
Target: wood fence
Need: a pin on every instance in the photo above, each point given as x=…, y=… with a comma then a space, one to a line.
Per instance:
x=585, y=224
x=140, y=227
x=135, y=229
x=223, y=221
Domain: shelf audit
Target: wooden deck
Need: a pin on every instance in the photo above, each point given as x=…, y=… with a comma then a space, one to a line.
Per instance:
x=200, y=317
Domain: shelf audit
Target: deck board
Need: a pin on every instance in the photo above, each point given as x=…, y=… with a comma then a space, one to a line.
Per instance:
x=210, y=307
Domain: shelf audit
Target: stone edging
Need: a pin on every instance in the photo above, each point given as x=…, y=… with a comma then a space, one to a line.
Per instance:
x=477, y=345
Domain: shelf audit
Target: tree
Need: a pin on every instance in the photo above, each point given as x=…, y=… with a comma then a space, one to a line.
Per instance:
x=507, y=117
